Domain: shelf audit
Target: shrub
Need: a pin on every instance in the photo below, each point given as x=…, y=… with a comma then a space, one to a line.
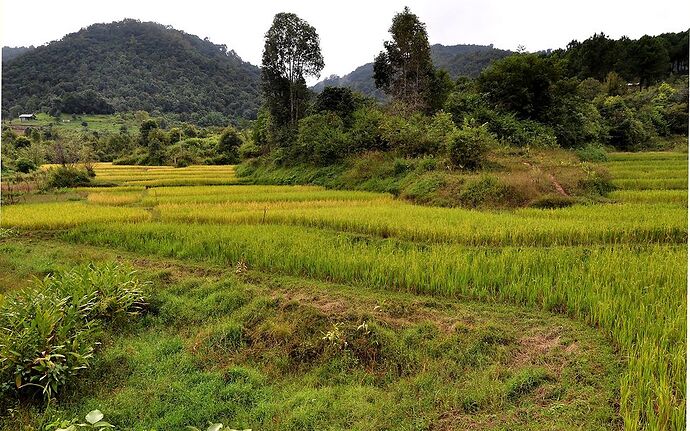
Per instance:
x=469, y=146
x=625, y=130
x=22, y=142
x=441, y=130
x=592, y=153
x=228, y=145
x=249, y=150
x=483, y=191
x=68, y=176
x=321, y=138
x=596, y=182
x=521, y=133
x=365, y=133
x=25, y=165
x=49, y=332
x=408, y=135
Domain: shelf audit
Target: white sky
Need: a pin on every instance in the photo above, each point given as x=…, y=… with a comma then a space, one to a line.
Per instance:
x=352, y=31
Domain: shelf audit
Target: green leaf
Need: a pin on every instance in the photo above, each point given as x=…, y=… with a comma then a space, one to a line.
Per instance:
x=214, y=427
x=94, y=416
x=103, y=424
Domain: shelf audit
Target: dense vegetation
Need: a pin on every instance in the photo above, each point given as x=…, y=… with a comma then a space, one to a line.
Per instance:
x=433, y=136
x=278, y=345
x=10, y=53
x=296, y=291
x=457, y=60
x=98, y=70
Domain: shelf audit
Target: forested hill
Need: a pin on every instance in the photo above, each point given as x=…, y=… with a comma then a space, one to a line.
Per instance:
x=10, y=53
x=131, y=65
x=457, y=60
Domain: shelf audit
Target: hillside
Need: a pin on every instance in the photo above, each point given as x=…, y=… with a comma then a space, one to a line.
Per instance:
x=458, y=60
x=10, y=53
x=132, y=65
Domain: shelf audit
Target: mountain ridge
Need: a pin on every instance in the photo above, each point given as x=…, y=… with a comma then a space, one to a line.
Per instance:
x=458, y=60
x=133, y=65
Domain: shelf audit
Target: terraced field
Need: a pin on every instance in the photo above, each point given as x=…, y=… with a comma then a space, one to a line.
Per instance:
x=569, y=318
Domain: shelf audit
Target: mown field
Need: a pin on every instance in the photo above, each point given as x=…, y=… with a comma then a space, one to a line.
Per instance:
x=296, y=307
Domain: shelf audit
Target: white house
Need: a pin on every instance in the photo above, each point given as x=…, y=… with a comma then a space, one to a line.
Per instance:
x=27, y=117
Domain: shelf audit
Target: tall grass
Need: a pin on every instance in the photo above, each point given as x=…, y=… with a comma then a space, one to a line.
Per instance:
x=568, y=226
x=636, y=295
x=60, y=215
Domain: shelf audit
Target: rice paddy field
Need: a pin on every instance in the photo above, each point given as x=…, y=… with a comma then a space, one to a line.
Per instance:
x=570, y=318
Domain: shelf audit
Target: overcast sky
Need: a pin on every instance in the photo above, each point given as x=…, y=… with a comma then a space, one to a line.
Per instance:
x=352, y=31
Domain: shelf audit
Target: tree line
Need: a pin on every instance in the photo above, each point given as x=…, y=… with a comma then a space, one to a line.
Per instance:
x=626, y=94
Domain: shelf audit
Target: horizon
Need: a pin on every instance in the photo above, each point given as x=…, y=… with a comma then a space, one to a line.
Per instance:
x=448, y=23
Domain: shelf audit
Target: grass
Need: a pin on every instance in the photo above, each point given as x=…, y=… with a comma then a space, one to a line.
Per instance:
x=250, y=351
x=618, y=266
x=96, y=123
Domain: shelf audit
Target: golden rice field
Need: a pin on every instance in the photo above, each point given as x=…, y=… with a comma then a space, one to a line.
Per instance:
x=618, y=266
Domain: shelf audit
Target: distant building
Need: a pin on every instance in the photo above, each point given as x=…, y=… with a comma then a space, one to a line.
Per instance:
x=27, y=117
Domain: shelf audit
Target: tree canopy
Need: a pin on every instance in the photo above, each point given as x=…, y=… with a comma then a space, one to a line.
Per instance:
x=404, y=68
x=291, y=53
x=131, y=65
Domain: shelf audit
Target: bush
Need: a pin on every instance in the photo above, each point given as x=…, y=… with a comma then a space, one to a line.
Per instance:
x=68, y=176
x=625, y=130
x=22, y=142
x=365, y=133
x=321, y=139
x=592, y=153
x=249, y=150
x=520, y=133
x=468, y=148
x=25, y=165
x=409, y=136
x=49, y=332
x=597, y=182
x=486, y=190
x=228, y=145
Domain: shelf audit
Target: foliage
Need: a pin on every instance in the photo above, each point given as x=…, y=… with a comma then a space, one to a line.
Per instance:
x=229, y=143
x=68, y=176
x=24, y=165
x=644, y=61
x=339, y=100
x=321, y=139
x=183, y=74
x=468, y=146
x=592, y=153
x=94, y=420
x=521, y=84
x=291, y=53
x=50, y=331
x=365, y=132
x=404, y=69
x=624, y=130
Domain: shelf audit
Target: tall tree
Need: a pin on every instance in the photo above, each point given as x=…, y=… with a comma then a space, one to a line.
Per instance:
x=649, y=60
x=291, y=53
x=404, y=68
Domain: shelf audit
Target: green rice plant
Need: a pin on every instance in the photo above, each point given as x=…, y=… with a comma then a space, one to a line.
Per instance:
x=651, y=183
x=60, y=215
x=386, y=218
x=583, y=282
x=679, y=197
x=107, y=198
